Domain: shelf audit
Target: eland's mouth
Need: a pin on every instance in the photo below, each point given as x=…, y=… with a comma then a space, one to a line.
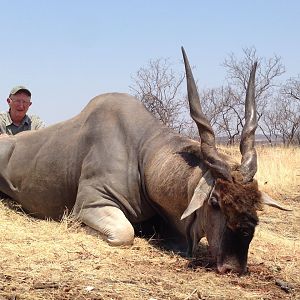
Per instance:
x=231, y=266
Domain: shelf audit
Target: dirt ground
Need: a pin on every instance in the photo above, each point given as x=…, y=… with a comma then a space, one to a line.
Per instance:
x=50, y=260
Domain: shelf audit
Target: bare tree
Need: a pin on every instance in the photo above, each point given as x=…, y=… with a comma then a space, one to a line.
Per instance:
x=157, y=86
x=269, y=128
x=291, y=89
x=289, y=109
x=268, y=71
x=222, y=108
x=286, y=120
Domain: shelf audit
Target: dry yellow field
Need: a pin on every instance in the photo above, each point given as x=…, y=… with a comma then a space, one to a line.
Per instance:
x=50, y=260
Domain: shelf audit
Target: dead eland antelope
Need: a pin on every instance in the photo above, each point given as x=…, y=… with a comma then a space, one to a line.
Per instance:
x=114, y=165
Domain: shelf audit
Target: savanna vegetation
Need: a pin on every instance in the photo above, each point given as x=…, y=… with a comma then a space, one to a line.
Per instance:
x=43, y=259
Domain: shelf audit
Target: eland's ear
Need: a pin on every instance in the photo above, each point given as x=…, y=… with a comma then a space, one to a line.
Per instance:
x=201, y=193
x=267, y=200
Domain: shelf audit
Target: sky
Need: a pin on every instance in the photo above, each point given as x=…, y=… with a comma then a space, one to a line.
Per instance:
x=67, y=52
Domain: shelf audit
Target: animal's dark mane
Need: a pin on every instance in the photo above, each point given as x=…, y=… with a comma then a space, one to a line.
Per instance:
x=239, y=201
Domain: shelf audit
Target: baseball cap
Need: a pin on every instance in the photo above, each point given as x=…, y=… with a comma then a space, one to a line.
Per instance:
x=19, y=88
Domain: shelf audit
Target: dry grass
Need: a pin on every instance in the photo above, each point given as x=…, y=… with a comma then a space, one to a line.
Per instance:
x=50, y=260
x=278, y=169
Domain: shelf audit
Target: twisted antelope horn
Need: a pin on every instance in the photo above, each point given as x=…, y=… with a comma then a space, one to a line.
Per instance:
x=249, y=157
x=218, y=167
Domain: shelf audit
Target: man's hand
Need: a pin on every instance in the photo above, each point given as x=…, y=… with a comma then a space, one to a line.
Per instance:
x=3, y=135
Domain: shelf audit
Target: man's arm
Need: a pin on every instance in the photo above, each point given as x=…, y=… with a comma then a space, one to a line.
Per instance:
x=36, y=122
x=2, y=130
x=3, y=133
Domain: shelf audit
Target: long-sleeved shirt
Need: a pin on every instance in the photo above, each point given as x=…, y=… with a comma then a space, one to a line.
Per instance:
x=29, y=122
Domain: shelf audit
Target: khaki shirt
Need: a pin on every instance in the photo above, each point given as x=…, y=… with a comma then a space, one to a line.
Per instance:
x=30, y=122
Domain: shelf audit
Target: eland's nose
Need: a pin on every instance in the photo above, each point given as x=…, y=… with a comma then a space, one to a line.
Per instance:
x=226, y=268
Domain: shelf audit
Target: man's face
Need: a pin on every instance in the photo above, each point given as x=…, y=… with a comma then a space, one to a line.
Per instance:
x=19, y=104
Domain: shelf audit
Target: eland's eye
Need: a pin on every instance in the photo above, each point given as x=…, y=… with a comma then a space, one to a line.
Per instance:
x=214, y=202
x=245, y=233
